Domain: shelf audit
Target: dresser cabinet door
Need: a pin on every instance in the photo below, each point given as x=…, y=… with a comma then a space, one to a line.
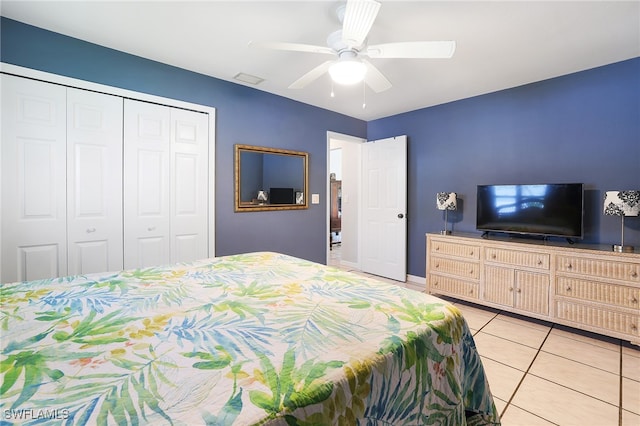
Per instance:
x=532, y=292
x=499, y=285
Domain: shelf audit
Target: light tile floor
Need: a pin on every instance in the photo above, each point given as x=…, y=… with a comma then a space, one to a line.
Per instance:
x=545, y=374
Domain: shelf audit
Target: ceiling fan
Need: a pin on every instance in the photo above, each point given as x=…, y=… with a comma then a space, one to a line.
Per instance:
x=350, y=46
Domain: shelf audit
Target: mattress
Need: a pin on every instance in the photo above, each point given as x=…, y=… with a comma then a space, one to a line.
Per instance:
x=249, y=339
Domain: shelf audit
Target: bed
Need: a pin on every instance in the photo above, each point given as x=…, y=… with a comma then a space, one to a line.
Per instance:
x=250, y=339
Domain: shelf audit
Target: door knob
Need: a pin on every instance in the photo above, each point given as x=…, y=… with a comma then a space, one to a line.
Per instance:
x=400, y=215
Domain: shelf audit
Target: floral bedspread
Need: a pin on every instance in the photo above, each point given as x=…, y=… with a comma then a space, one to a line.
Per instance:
x=258, y=338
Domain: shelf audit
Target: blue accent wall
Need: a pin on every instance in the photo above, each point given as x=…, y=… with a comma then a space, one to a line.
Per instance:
x=243, y=115
x=582, y=127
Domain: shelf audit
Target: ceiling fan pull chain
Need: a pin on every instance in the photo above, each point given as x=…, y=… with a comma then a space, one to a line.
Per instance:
x=364, y=94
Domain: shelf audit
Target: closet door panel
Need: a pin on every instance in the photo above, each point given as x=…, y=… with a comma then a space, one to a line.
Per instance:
x=94, y=173
x=38, y=262
x=33, y=156
x=189, y=177
x=146, y=184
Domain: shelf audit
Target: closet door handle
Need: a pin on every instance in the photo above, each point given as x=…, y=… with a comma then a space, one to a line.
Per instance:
x=90, y=230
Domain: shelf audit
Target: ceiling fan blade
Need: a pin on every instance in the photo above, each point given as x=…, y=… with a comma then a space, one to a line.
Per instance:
x=311, y=75
x=295, y=47
x=412, y=49
x=375, y=79
x=358, y=19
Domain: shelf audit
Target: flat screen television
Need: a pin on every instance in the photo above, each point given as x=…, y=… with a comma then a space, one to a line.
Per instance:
x=545, y=210
x=281, y=196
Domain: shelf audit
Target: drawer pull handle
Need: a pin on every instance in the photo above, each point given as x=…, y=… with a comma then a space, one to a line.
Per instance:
x=634, y=327
x=437, y=265
x=471, y=291
x=634, y=274
x=569, y=288
x=471, y=253
x=471, y=271
x=540, y=262
x=634, y=300
x=493, y=256
x=90, y=230
x=510, y=288
x=437, y=248
x=569, y=266
x=519, y=290
x=435, y=284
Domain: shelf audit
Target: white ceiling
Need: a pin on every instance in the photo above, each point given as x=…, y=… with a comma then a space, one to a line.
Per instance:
x=500, y=44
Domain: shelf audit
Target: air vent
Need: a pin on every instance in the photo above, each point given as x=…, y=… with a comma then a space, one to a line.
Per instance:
x=248, y=78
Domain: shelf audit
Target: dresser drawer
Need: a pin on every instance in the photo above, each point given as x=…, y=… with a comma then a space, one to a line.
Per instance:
x=517, y=258
x=466, y=251
x=447, y=285
x=612, y=294
x=599, y=268
x=597, y=316
x=459, y=268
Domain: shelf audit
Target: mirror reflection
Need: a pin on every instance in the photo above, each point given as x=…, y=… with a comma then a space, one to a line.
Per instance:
x=270, y=179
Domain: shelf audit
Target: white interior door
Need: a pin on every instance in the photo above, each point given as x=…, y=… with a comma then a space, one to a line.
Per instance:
x=384, y=208
x=146, y=187
x=189, y=197
x=94, y=179
x=33, y=156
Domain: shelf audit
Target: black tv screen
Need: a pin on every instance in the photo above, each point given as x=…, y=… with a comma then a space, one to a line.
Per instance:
x=546, y=209
x=281, y=196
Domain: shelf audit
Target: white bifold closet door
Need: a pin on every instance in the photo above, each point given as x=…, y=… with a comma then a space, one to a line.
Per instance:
x=34, y=146
x=94, y=182
x=61, y=181
x=189, y=185
x=165, y=184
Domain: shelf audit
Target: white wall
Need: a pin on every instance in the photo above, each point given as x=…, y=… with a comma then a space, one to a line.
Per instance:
x=335, y=162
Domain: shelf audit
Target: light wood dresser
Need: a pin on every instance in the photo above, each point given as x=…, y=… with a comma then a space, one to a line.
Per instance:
x=583, y=286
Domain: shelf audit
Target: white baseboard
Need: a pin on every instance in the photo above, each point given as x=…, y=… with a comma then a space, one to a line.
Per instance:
x=416, y=279
x=415, y=282
x=350, y=265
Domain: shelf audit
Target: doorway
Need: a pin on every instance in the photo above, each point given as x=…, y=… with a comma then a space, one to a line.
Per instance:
x=343, y=159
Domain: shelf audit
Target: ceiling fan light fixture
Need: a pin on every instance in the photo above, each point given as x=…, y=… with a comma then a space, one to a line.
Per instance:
x=347, y=72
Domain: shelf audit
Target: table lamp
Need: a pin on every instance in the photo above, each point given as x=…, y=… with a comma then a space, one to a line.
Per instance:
x=622, y=203
x=446, y=201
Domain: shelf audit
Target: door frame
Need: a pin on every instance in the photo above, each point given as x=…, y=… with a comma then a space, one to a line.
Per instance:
x=349, y=139
x=112, y=90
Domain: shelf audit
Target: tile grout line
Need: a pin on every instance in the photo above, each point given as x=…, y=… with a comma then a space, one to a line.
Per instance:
x=524, y=376
x=620, y=410
x=620, y=390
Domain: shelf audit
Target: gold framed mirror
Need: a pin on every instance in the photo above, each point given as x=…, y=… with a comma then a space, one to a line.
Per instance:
x=270, y=179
